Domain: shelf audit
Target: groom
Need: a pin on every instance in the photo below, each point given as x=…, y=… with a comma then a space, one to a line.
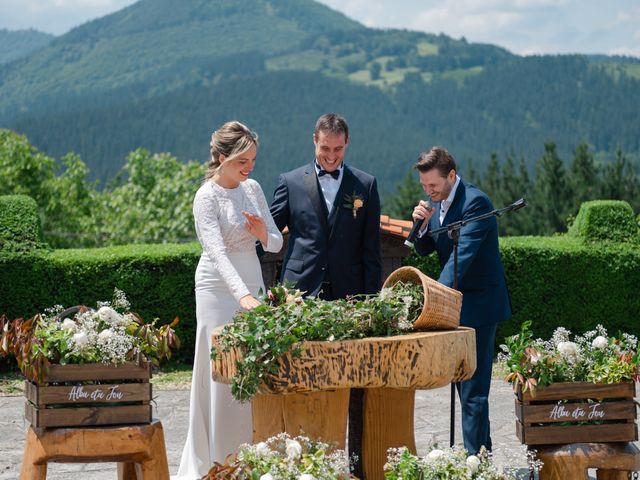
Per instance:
x=333, y=215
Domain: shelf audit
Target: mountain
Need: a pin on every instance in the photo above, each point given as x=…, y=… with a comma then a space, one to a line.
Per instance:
x=19, y=43
x=162, y=74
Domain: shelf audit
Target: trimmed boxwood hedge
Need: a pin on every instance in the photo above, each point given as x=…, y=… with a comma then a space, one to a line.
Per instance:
x=561, y=281
x=606, y=220
x=20, y=226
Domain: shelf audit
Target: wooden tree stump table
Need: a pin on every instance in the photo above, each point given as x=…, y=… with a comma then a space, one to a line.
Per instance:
x=310, y=393
x=138, y=449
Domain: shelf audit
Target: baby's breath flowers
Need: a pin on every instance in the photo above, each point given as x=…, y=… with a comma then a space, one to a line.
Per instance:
x=273, y=328
x=85, y=335
x=590, y=357
x=448, y=463
x=284, y=458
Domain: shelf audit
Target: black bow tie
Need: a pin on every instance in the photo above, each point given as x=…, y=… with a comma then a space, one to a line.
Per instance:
x=335, y=174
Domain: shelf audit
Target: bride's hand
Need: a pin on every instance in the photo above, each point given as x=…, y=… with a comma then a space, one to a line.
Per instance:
x=248, y=302
x=255, y=226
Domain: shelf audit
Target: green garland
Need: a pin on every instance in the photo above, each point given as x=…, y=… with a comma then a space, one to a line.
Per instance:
x=285, y=319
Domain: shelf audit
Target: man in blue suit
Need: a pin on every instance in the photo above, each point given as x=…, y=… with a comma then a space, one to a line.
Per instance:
x=333, y=215
x=481, y=278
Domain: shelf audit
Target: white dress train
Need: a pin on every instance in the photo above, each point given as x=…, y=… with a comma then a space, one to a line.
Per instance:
x=228, y=269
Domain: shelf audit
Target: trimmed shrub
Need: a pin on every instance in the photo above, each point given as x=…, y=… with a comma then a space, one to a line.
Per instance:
x=605, y=220
x=20, y=227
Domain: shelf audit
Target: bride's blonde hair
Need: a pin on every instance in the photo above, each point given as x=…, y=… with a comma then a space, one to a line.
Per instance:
x=231, y=140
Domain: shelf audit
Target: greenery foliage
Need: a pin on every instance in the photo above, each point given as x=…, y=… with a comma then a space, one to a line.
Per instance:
x=284, y=458
x=157, y=279
x=606, y=220
x=448, y=463
x=590, y=357
x=285, y=319
x=20, y=228
x=111, y=333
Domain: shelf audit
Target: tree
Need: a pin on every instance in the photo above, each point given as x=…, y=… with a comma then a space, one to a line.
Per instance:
x=583, y=176
x=551, y=195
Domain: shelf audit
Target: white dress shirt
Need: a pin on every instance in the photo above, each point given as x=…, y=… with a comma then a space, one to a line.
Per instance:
x=445, y=204
x=329, y=186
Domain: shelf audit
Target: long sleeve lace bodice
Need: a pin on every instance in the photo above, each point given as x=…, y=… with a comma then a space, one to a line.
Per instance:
x=220, y=227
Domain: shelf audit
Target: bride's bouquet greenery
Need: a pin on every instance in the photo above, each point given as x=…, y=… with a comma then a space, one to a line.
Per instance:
x=284, y=458
x=591, y=357
x=285, y=319
x=110, y=333
x=448, y=463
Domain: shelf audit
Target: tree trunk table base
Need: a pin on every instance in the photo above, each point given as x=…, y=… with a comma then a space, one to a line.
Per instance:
x=138, y=449
x=613, y=461
x=309, y=394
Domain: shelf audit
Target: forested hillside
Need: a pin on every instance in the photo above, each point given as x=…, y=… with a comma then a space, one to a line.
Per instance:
x=16, y=44
x=162, y=75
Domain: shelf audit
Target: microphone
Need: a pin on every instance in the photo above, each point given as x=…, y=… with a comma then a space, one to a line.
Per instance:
x=415, y=229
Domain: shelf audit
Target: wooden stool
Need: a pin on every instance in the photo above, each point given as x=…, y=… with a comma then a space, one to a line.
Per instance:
x=138, y=449
x=613, y=461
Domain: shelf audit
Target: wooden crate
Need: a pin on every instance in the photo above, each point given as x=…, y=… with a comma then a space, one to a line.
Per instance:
x=90, y=394
x=576, y=412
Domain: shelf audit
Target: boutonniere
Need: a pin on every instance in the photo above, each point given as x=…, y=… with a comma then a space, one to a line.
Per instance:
x=354, y=202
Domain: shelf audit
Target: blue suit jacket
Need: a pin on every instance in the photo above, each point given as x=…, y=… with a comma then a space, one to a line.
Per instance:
x=342, y=250
x=480, y=273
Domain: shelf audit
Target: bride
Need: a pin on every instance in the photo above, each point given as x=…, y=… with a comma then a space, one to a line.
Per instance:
x=230, y=212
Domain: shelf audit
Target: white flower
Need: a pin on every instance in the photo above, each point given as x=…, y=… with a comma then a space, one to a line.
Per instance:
x=105, y=334
x=266, y=476
x=263, y=449
x=306, y=476
x=69, y=325
x=293, y=449
x=568, y=349
x=434, y=454
x=473, y=463
x=599, y=342
x=108, y=315
x=80, y=339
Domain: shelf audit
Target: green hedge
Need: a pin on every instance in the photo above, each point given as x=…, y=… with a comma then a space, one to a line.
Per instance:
x=158, y=281
x=20, y=226
x=606, y=220
x=553, y=281
x=561, y=281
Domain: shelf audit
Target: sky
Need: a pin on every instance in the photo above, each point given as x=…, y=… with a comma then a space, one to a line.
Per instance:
x=524, y=27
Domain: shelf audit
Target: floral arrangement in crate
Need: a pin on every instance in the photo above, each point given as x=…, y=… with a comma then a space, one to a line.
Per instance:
x=453, y=463
x=110, y=333
x=284, y=458
x=285, y=319
x=591, y=357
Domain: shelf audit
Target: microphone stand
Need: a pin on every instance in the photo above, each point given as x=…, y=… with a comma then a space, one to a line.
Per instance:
x=453, y=232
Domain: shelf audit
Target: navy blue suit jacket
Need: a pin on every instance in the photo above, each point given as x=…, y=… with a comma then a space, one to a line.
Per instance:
x=342, y=250
x=481, y=276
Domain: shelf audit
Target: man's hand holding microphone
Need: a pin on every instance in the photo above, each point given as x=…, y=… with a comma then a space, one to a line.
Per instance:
x=421, y=215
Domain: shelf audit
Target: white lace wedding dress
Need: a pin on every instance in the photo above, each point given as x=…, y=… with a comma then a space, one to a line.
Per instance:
x=228, y=270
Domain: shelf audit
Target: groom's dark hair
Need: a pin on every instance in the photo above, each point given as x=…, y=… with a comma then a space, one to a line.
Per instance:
x=332, y=123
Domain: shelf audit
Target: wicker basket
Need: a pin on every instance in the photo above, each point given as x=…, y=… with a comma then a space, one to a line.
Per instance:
x=441, y=308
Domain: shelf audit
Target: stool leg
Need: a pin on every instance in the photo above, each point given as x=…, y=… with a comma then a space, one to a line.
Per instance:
x=32, y=451
x=157, y=467
x=606, y=474
x=127, y=471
